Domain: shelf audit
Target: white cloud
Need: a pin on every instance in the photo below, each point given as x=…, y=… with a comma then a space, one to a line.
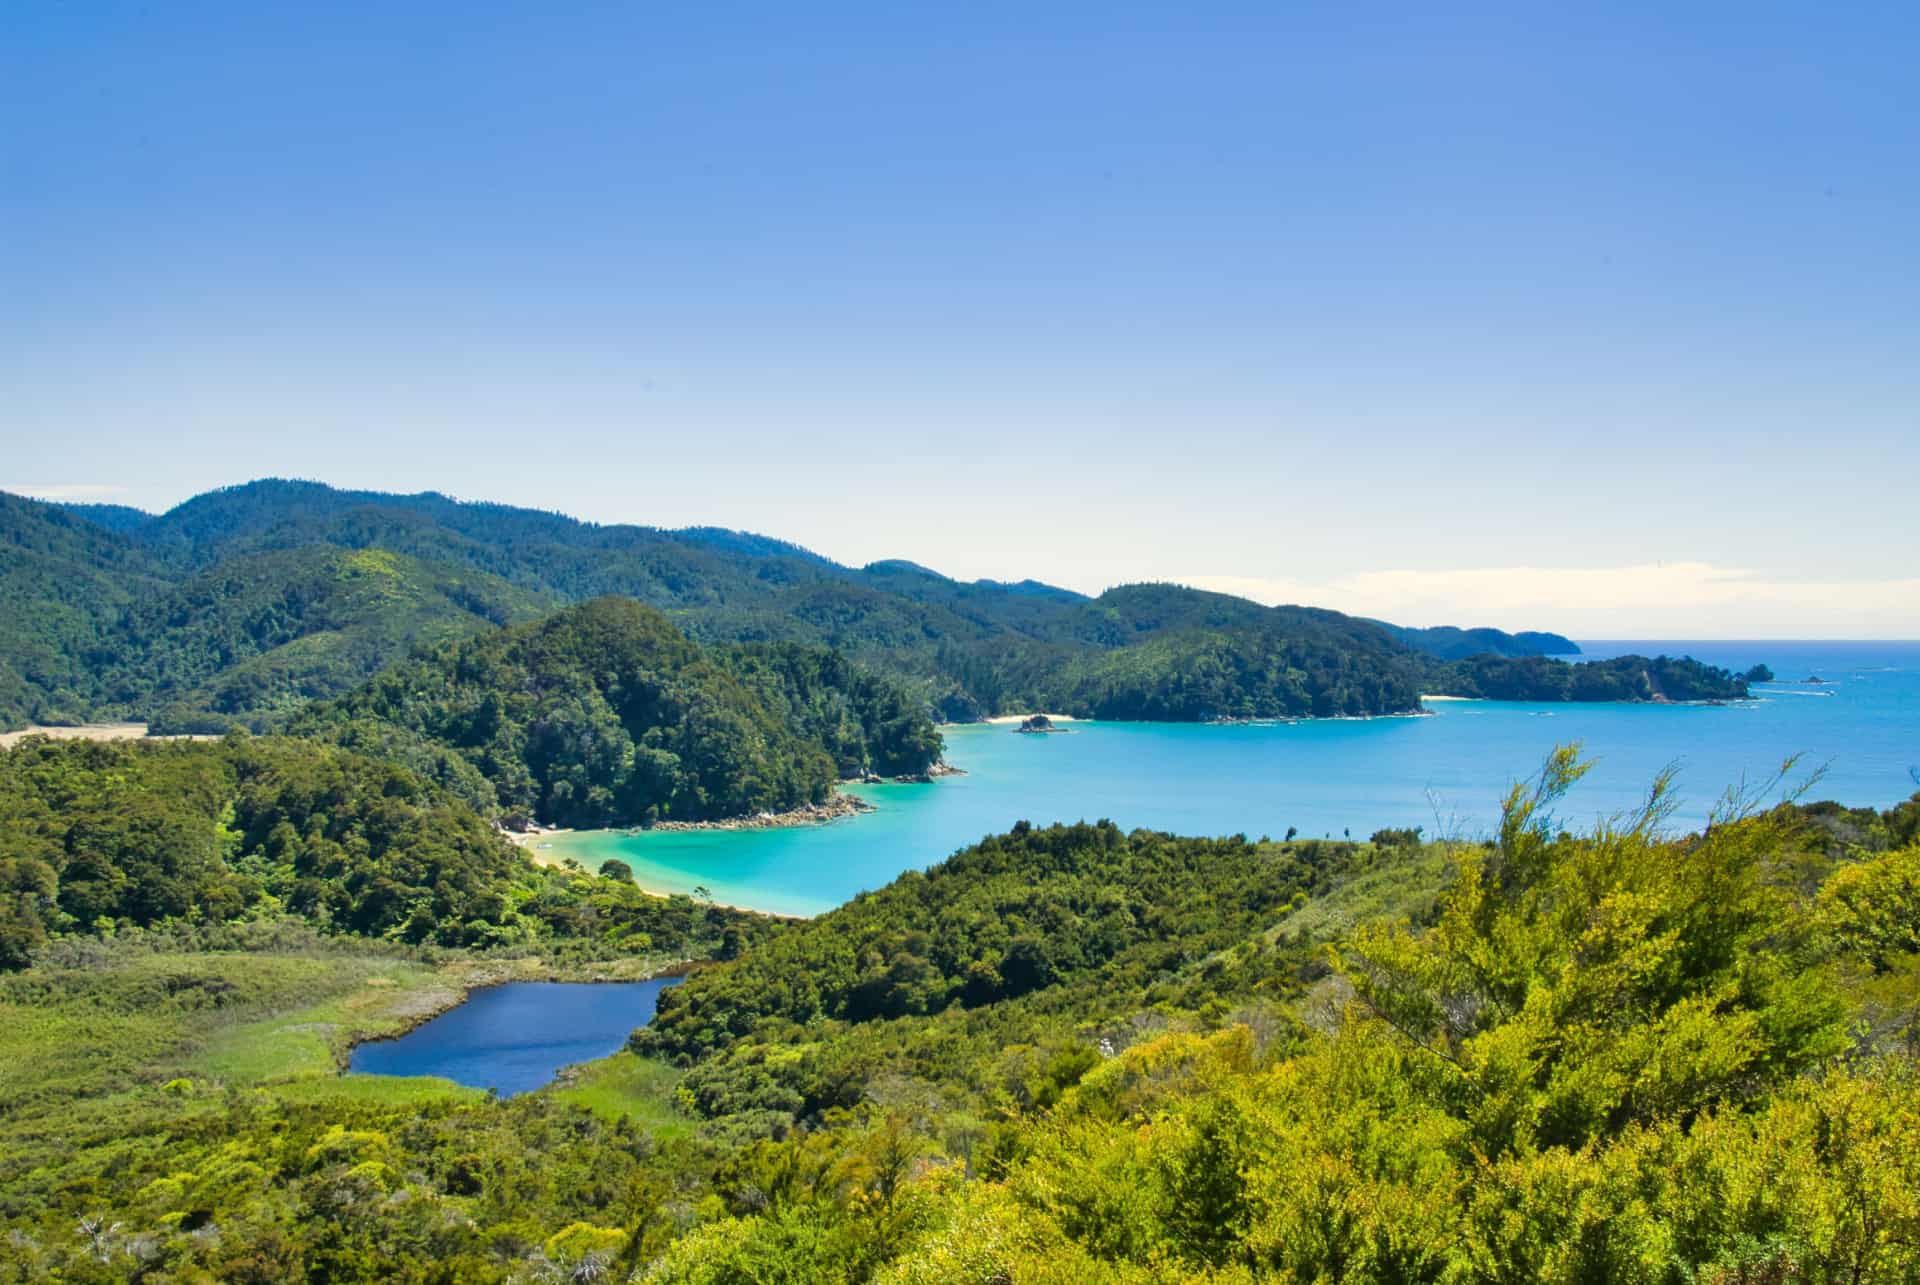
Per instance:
x=1660, y=600
x=67, y=491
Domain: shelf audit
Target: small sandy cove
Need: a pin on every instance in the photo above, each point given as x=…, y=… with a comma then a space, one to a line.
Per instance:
x=93, y=732
x=1021, y=718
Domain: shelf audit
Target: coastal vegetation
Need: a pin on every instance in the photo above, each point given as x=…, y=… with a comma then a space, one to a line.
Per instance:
x=605, y=714
x=1620, y=678
x=1445, y=642
x=1068, y=1053
x=236, y=607
x=97, y=838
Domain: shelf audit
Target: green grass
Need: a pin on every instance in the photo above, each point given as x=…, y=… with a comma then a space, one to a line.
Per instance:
x=372, y=999
x=383, y=1090
x=628, y=1087
x=131, y=1020
x=106, y=1058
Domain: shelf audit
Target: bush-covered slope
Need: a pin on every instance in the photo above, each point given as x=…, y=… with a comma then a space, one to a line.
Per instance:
x=1560, y=1057
x=964, y=650
x=63, y=581
x=1016, y=914
x=101, y=836
x=1447, y=642
x=1622, y=678
x=259, y=635
x=605, y=714
x=1599, y=1057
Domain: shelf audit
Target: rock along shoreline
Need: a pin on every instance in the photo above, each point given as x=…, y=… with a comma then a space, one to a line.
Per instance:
x=837, y=806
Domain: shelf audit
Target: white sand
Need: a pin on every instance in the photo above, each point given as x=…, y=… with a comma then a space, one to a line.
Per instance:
x=533, y=838
x=1448, y=698
x=93, y=732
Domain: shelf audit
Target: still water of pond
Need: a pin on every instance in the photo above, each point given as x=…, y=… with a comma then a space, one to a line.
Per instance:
x=516, y=1038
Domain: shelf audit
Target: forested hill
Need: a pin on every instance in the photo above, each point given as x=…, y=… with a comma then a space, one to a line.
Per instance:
x=97, y=838
x=240, y=604
x=605, y=714
x=1449, y=643
x=1133, y=1057
x=1618, y=678
x=61, y=579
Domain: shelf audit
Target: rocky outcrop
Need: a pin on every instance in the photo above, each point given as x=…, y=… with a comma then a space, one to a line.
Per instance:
x=836, y=806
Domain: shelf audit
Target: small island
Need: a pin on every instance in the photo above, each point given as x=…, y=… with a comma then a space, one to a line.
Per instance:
x=1037, y=725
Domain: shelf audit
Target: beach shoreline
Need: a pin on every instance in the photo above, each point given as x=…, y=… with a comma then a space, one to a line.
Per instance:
x=94, y=732
x=1001, y=720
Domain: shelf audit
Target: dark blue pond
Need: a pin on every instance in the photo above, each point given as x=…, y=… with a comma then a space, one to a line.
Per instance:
x=515, y=1038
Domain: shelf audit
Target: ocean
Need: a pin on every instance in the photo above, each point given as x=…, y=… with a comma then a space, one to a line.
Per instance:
x=1858, y=730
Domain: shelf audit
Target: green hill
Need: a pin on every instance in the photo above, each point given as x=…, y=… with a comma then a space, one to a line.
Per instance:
x=260, y=634
x=1447, y=642
x=1618, y=678
x=605, y=714
x=63, y=582
x=240, y=603
x=100, y=838
x=1065, y=1054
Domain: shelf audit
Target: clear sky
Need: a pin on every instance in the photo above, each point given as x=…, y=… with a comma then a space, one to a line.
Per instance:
x=1603, y=318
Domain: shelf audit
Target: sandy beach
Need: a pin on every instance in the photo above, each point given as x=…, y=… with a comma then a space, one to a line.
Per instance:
x=1017, y=719
x=92, y=732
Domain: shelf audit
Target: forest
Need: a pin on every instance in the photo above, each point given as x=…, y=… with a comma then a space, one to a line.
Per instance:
x=240, y=605
x=97, y=838
x=1620, y=678
x=1065, y=1054
x=605, y=714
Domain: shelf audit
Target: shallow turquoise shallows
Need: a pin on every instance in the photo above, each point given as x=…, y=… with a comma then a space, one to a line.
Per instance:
x=1446, y=771
x=515, y=1038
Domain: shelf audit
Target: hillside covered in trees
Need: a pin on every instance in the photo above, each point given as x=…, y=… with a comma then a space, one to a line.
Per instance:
x=238, y=605
x=1619, y=678
x=605, y=714
x=1066, y=1054
x=97, y=838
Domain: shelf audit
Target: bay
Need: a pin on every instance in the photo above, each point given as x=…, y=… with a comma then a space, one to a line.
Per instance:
x=515, y=1037
x=1445, y=772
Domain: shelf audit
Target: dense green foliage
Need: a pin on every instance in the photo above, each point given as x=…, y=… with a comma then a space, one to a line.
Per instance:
x=61, y=578
x=1596, y=1059
x=605, y=714
x=170, y=1110
x=258, y=636
x=1064, y=1055
x=99, y=836
x=255, y=597
x=869, y=725
x=1622, y=678
x=98, y=625
x=1449, y=643
x=1016, y=914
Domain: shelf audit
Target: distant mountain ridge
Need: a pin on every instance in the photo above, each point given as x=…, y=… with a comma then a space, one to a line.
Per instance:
x=242, y=603
x=1451, y=643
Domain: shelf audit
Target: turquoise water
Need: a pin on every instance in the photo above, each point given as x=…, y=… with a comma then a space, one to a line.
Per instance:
x=514, y=1038
x=1325, y=778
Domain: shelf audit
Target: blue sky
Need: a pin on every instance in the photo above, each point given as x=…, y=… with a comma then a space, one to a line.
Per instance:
x=1603, y=320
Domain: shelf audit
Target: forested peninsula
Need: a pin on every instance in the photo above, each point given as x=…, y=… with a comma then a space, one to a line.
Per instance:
x=605, y=714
